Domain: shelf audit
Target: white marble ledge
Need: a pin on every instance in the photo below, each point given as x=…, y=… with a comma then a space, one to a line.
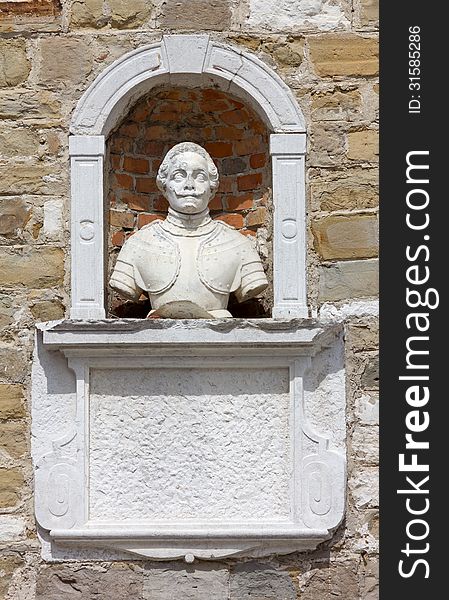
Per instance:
x=308, y=335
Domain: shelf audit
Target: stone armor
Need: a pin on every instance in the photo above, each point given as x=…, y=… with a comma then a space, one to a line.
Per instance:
x=202, y=264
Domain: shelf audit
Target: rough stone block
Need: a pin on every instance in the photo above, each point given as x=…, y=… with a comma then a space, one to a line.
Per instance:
x=201, y=15
x=337, y=55
x=345, y=190
x=363, y=336
x=8, y=564
x=47, y=310
x=368, y=11
x=73, y=65
x=330, y=581
x=118, y=582
x=350, y=279
x=13, y=438
x=88, y=13
x=256, y=581
x=29, y=105
x=14, y=64
x=288, y=14
x=327, y=144
x=11, y=401
x=338, y=105
x=365, y=444
x=199, y=582
x=12, y=363
x=129, y=14
x=18, y=142
x=14, y=214
x=363, y=145
x=364, y=487
x=28, y=178
x=11, y=482
x=35, y=268
x=346, y=236
x=370, y=375
x=367, y=409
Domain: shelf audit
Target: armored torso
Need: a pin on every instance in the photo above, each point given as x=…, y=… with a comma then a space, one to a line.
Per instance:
x=190, y=259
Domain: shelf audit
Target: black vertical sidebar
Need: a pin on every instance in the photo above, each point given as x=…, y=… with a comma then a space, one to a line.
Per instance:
x=414, y=253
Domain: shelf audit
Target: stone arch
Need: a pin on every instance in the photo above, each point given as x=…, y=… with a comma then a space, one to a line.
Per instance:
x=192, y=61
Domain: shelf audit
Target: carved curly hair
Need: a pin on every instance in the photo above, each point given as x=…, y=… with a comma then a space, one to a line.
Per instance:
x=162, y=174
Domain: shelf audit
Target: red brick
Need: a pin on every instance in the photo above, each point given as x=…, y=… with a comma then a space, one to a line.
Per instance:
x=178, y=107
x=155, y=164
x=249, y=182
x=152, y=148
x=121, y=144
x=256, y=217
x=226, y=185
x=129, y=130
x=141, y=113
x=234, y=117
x=124, y=181
x=236, y=103
x=243, y=202
x=143, y=220
x=116, y=161
x=248, y=146
x=161, y=204
x=214, y=105
x=165, y=116
x=135, y=165
x=120, y=218
x=136, y=202
x=257, y=127
x=118, y=238
x=216, y=203
x=210, y=94
x=233, y=219
x=229, y=133
x=219, y=149
x=258, y=160
x=173, y=94
x=146, y=185
x=156, y=132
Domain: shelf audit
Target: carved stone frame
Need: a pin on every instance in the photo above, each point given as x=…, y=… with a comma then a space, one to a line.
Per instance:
x=317, y=481
x=189, y=60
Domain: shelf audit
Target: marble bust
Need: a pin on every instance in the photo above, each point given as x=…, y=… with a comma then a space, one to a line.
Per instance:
x=188, y=263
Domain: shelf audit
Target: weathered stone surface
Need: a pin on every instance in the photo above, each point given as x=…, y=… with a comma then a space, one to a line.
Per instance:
x=36, y=268
x=350, y=279
x=367, y=409
x=47, y=310
x=18, y=142
x=256, y=581
x=290, y=14
x=327, y=144
x=368, y=12
x=329, y=582
x=370, y=375
x=29, y=105
x=363, y=336
x=345, y=190
x=289, y=53
x=14, y=65
x=338, y=105
x=13, y=438
x=199, y=582
x=336, y=55
x=118, y=582
x=28, y=178
x=363, y=145
x=12, y=528
x=14, y=214
x=11, y=401
x=364, y=487
x=12, y=363
x=365, y=444
x=11, y=482
x=346, y=236
x=88, y=13
x=73, y=65
x=369, y=588
x=127, y=14
x=8, y=564
x=202, y=14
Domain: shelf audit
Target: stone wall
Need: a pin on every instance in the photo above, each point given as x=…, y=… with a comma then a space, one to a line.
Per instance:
x=326, y=51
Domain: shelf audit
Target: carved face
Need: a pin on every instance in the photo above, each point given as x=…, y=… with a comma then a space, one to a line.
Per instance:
x=188, y=188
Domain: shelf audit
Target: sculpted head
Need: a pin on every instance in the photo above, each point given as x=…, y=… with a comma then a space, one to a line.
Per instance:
x=188, y=178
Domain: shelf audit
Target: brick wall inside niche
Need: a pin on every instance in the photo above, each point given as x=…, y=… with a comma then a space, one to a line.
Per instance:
x=236, y=139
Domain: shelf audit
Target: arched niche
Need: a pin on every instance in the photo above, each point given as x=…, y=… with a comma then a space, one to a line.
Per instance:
x=191, y=61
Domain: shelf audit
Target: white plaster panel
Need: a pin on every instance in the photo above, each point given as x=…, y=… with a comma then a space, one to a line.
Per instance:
x=290, y=14
x=186, y=53
x=190, y=443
